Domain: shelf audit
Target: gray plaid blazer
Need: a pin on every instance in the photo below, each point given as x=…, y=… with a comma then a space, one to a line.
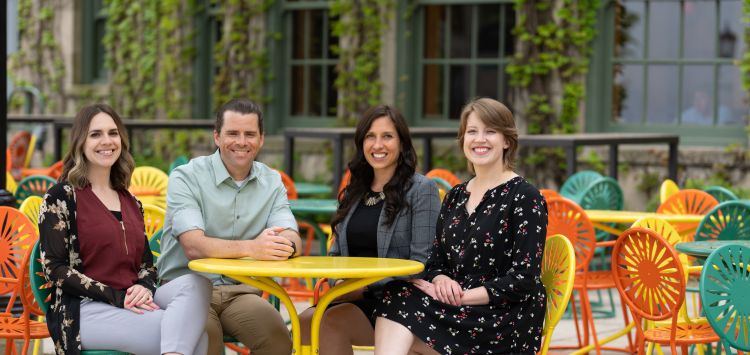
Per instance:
x=411, y=234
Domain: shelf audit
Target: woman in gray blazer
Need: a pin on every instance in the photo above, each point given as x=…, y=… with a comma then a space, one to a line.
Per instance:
x=386, y=211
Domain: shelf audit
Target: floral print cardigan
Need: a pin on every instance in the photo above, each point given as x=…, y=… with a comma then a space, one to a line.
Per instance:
x=63, y=266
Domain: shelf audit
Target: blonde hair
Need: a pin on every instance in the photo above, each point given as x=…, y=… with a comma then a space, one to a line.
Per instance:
x=495, y=115
x=75, y=164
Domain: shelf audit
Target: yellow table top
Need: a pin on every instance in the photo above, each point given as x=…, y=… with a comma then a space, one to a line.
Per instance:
x=310, y=266
x=632, y=216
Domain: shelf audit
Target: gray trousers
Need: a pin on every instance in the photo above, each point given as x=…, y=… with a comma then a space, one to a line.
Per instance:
x=179, y=326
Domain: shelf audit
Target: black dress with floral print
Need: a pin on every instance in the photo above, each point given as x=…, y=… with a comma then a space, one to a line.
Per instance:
x=62, y=265
x=500, y=247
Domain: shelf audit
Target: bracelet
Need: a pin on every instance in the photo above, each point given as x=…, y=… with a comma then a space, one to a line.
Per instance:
x=294, y=249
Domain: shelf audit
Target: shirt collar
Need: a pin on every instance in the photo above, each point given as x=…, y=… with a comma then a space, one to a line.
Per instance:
x=221, y=173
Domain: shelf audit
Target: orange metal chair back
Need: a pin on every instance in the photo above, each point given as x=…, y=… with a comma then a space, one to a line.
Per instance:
x=345, y=180
x=688, y=201
x=291, y=190
x=566, y=218
x=650, y=279
x=444, y=174
x=18, y=147
x=548, y=193
x=17, y=238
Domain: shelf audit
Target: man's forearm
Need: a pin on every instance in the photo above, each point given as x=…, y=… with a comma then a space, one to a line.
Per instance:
x=197, y=245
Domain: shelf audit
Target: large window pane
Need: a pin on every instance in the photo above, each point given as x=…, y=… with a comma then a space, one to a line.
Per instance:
x=509, y=19
x=627, y=93
x=487, y=81
x=298, y=34
x=315, y=99
x=432, y=96
x=332, y=92
x=489, y=31
x=317, y=32
x=629, y=19
x=733, y=108
x=663, y=27
x=434, y=33
x=698, y=95
x=297, y=85
x=730, y=37
x=699, y=29
x=459, y=90
x=461, y=22
x=662, y=94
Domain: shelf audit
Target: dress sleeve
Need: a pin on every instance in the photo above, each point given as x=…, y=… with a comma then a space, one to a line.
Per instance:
x=58, y=260
x=147, y=270
x=528, y=220
x=437, y=262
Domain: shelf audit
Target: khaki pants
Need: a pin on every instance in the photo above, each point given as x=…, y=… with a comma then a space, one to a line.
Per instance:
x=239, y=311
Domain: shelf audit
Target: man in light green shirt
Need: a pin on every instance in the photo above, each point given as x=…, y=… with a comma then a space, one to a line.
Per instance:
x=227, y=205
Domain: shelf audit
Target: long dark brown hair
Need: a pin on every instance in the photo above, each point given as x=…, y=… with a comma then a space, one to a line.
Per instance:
x=362, y=173
x=75, y=164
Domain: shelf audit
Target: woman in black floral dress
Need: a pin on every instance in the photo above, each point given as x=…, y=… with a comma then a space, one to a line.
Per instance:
x=482, y=293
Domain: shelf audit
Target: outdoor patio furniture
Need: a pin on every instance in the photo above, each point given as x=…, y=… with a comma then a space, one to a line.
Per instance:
x=180, y=160
x=153, y=219
x=149, y=185
x=726, y=221
x=444, y=174
x=54, y=171
x=558, y=273
x=724, y=284
x=30, y=208
x=688, y=201
x=667, y=189
x=575, y=184
x=10, y=183
x=18, y=236
x=35, y=185
x=721, y=194
x=650, y=279
x=567, y=218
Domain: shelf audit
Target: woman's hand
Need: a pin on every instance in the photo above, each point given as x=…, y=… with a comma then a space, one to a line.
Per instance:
x=139, y=299
x=426, y=287
x=447, y=290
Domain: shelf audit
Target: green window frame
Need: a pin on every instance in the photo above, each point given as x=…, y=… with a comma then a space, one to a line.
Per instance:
x=459, y=50
x=654, y=65
x=304, y=93
x=208, y=31
x=93, y=27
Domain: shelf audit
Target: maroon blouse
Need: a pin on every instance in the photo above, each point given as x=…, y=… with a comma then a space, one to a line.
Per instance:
x=111, y=251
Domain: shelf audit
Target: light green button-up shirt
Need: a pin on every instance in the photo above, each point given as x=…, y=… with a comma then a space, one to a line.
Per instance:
x=202, y=195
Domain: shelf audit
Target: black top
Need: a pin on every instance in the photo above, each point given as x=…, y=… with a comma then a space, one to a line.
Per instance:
x=117, y=214
x=362, y=231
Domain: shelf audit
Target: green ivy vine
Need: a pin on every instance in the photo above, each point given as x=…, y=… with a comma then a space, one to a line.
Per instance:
x=38, y=61
x=241, y=54
x=360, y=26
x=548, y=70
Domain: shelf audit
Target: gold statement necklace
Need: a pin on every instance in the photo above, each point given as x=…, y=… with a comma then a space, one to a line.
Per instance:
x=373, y=198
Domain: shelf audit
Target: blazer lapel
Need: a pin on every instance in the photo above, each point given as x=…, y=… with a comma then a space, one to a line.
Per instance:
x=341, y=232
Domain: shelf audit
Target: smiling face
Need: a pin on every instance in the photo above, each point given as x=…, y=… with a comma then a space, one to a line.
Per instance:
x=239, y=142
x=103, y=144
x=483, y=145
x=382, y=146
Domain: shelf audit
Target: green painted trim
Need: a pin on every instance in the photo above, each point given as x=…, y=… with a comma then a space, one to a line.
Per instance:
x=274, y=85
x=201, y=76
x=92, y=68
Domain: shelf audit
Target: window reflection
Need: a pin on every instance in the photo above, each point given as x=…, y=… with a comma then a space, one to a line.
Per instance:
x=661, y=82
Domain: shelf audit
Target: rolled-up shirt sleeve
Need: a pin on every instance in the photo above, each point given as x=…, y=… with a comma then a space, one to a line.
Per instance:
x=186, y=214
x=281, y=213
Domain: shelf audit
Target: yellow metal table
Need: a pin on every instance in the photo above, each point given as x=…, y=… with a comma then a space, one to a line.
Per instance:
x=358, y=272
x=599, y=218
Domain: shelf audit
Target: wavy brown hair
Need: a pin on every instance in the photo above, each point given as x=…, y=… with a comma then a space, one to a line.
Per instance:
x=495, y=115
x=75, y=164
x=363, y=174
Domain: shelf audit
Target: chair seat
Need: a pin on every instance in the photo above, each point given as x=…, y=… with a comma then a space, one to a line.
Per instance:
x=687, y=333
x=595, y=280
x=12, y=328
